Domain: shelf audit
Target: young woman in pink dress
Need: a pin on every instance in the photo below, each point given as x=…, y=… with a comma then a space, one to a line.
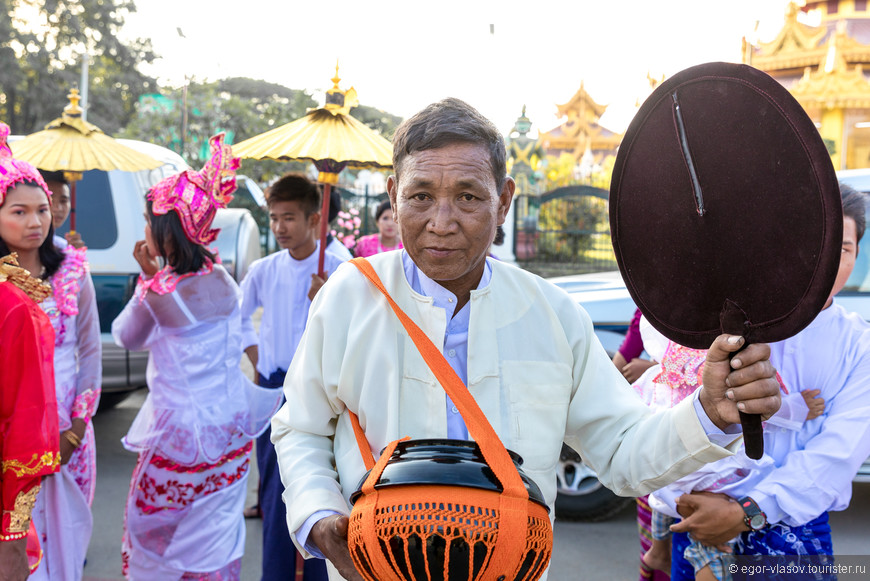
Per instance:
x=387, y=237
x=195, y=431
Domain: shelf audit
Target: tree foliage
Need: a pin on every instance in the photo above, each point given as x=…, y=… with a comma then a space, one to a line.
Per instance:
x=238, y=106
x=41, y=47
x=381, y=121
x=41, y=43
x=241, y=107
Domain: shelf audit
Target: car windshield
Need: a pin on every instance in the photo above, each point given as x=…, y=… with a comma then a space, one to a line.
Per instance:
x=95, y=211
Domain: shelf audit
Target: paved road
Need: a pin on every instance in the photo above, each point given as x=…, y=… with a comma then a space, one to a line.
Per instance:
x=602, y=551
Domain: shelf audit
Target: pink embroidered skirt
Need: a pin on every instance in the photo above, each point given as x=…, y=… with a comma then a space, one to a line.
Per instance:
x=185, y=521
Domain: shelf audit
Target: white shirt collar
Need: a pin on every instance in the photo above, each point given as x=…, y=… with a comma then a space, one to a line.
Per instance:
x=425, y=286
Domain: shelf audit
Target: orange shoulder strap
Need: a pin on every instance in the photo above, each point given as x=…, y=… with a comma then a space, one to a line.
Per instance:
x=478, y=427
x=514, y=500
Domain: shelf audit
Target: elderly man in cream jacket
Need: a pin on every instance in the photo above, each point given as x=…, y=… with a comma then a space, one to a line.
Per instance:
x=524, y=348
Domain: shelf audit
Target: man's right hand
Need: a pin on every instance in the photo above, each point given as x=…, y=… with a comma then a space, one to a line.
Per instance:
x=330, y=536
x=13, y=560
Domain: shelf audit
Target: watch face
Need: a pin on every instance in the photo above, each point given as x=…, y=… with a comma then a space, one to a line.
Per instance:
x=757, y=521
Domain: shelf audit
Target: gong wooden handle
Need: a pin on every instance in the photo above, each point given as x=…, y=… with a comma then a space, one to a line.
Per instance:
x=753, y=436
x=734, y=321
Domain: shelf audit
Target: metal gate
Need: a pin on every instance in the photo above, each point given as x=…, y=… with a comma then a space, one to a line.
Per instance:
x=566, y=230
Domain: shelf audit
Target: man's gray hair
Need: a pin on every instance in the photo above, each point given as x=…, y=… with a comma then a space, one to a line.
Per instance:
x=445, y=123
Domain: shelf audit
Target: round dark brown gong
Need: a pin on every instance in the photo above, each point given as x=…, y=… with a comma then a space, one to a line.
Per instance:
x=725, y=211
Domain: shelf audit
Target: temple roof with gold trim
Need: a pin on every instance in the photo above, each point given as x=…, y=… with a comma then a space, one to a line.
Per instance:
x=580, y=130
x=800, y=45
x=834, y=84
x=581, y=101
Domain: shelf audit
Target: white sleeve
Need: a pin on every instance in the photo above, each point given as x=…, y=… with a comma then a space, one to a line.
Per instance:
x=135, y=327
x=633, y=450
x=654, y=343
x=89, y=351
x=819, y=477
x=250, y=303
x=304, y=427
x=792, y=412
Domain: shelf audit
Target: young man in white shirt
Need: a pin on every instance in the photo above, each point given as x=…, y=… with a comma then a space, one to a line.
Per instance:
x=786, y=513
x=283, y=284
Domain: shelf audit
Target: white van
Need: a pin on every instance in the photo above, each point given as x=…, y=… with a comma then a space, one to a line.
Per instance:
x=110, y=216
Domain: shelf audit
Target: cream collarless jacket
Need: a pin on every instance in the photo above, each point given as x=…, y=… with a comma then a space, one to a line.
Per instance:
x=535, y=369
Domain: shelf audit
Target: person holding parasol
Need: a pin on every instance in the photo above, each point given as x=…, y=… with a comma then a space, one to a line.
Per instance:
x=283, y=285
x=61, y=207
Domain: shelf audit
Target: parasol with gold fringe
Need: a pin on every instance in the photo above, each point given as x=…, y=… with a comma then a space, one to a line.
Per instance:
x=330, y=138
x=72, y=145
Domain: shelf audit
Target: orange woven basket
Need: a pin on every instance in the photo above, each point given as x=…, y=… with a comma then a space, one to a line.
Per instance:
x=446, y=510
x=407, y=525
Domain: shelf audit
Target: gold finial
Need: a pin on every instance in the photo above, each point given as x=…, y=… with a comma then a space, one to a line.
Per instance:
x=338, y=101
x=73, y=108
x=335, y=80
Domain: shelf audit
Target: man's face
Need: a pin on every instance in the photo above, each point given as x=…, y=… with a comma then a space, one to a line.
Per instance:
x=848, y=254
x=292, y=229
x=447, y=207
x=60, y=205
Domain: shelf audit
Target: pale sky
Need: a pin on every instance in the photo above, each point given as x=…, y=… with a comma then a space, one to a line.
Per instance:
x=402, y=55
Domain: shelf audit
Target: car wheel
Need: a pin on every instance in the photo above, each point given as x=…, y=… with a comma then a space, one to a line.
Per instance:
x=580, y=496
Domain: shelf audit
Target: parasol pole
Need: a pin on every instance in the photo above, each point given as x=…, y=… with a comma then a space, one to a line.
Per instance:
x=72, y=177
x=327, y=179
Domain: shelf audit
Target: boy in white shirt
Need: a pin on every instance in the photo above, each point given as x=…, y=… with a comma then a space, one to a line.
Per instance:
x=283, y=284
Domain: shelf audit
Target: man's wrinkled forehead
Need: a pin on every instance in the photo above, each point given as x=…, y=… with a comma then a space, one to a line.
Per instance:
x=411, y=161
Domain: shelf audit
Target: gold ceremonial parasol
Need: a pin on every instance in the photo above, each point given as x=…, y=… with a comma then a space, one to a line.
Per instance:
x=72, y=145
x=330, y=138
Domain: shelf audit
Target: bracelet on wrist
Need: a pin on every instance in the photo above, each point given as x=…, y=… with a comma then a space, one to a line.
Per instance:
x=13, y=536
x=72, y=438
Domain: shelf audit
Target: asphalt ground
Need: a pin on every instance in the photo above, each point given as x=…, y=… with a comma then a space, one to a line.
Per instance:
x=604, y=551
